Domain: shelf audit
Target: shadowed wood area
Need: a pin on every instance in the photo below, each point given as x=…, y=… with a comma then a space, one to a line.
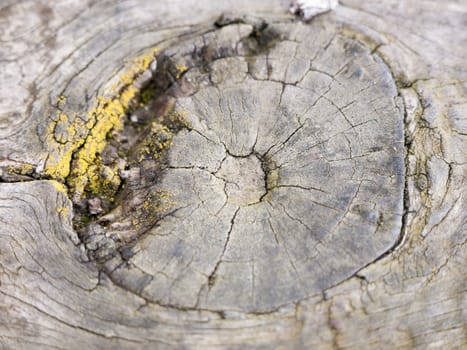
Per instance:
x=223, y=175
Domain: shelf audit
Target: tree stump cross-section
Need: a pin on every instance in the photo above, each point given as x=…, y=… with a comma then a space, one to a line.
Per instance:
x=277, y=185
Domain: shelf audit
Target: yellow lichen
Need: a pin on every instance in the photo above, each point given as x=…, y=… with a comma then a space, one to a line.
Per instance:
x=103, y=179
x=146, y=95
x=62, y=210
x=156, y=203
x=157, y=143
x=179, y=119
x=58, y=186
x=107, y=116
x=23, y=169
x=181, y=68
x=64, y=130
x=61, y=101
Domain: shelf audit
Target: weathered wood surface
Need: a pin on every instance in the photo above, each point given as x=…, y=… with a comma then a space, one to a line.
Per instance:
x=285, y=215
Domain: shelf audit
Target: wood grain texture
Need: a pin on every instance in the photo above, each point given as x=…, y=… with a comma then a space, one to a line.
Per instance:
x=70, y=73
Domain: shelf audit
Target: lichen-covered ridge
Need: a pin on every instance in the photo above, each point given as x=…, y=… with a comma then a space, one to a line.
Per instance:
x=75, y=157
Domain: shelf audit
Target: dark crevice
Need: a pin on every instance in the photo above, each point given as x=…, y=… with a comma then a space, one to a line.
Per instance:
x=212, y=275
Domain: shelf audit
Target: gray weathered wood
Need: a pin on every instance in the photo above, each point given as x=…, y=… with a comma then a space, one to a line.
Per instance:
x=305, y=189
x=279, y=187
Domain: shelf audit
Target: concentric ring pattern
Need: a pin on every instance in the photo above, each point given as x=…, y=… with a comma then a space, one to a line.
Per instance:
x=288, y=178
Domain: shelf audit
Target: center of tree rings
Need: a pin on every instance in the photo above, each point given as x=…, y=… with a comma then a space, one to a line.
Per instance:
x=244, y=179
x=270, y=167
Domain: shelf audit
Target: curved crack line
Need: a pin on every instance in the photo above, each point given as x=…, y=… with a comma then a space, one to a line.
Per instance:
x=212, y=275
x=75, y=326
x=211, y=278
x=283, y=143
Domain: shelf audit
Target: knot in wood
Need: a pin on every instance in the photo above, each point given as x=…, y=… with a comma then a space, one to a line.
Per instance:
x=273, y=168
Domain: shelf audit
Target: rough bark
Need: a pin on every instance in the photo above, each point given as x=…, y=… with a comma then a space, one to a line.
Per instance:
x=176, y=179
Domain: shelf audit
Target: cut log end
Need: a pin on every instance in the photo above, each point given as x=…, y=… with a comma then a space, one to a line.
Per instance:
x=266, y=171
